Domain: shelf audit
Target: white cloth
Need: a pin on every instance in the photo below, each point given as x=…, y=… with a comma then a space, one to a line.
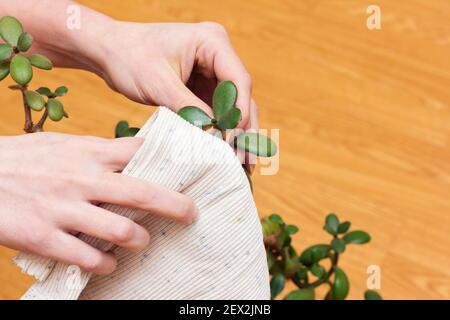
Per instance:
x=220, y=256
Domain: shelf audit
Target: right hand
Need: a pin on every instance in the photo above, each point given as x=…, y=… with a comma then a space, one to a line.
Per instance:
x=50, y=183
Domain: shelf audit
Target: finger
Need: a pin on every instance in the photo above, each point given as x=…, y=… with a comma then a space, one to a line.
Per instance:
x=228, y=66
x=71, y=250
x=135, y=193
x=117, y=153
x=103, y=224
x=175, y=95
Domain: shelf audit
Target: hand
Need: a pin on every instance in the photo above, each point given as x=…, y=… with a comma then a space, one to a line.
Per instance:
x=173, y=64
x=49, y=184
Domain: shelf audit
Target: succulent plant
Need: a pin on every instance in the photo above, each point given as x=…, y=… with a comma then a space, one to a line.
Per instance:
x=19, y=66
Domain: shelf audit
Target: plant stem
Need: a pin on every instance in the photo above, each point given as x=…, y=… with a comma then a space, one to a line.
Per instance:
x=38, y=127
x=28, y=127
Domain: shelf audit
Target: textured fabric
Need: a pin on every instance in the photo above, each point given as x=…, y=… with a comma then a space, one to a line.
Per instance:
x=220, y=256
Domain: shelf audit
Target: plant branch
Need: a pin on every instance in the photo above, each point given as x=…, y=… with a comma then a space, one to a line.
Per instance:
x=28, y=127
x=38, y=127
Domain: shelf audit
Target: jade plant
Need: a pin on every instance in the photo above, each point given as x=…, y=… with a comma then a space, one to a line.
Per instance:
x=308, y=270
x=15, y=62
x=226, y=117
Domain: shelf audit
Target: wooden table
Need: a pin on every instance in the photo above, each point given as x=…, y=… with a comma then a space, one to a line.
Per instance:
x=364, y=121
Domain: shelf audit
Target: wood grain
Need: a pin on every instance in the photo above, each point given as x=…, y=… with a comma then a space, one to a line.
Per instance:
x=363, y=117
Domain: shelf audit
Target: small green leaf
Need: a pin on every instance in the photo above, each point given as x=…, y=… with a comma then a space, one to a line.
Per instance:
x=131, y=132
x=40, y=61
x=229, y=119
x=45, y=92
x=271, y=259
x=291, y=229
x=276, y=285
x=10, y=30
x=331, y=224
x=341, y=285
x=4, y=69
x=314, y=254
x=55, y=109
x=121, y=127
x=14, y=87
x=276, y=218
x=34, y=100
x=21, y=70
x=372, y=295
x=301, y=274
x=5, y=51
x=61, y=91
x=344, y=226
x=25, y=41
x=356, y=237
x=269, y=227
x=318, y=270
x=195, y=116
x=66, y=115
x=292, y=252
x=256, y=143
x=224, y=98
x=338, y=245
x=284, y=239
x=301, y=294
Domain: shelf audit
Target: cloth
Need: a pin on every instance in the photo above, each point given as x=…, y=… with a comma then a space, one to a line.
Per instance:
x=220, y=256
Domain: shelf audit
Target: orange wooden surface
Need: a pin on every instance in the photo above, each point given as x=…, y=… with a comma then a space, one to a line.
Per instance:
x=363, y=116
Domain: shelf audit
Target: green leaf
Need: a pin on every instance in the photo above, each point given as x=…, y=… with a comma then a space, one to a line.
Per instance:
x=372, y=295
x=121, y=127
x=276, y=285
x=195, y=116
x=10, y=30
x=341, y=285
x=5, y=51
x=66, y=115
x=4, y=69
x=256, y=143
x=34, y=100
x=292, y=252
x=269, y=227
x=301, y=294
x=229, y=119
x=356, y=237
x=45, y=92
x=331, y=224
x=291, y=229
x=344, y=226
x=40, y=61
x=338, y=245
x=284, y=239
x=224, y=98
x=61, y=91
x=271, y=259
x=318, y=270
x=55, y=109
x=21, y=70
x=25, y=41
x=276, y=218
x=314, y=254
x=131, y=132
x=301, y=274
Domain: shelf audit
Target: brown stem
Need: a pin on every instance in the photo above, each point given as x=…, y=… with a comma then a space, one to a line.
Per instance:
x=39, y=126
x=28, y=127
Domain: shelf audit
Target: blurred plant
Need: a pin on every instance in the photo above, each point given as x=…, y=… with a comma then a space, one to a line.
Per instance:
x=306, y=270
x=13, y=62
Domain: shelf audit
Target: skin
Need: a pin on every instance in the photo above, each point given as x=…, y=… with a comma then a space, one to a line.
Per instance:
x=172, y=64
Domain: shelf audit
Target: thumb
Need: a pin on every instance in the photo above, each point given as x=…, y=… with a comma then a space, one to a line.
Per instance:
x=177, y=96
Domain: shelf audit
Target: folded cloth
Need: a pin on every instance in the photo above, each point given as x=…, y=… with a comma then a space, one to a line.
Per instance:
x=220, y=256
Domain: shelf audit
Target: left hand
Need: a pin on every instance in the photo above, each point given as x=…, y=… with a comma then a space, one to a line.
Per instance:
x=174, y=64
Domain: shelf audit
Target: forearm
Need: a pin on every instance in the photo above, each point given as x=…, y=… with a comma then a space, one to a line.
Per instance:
x=66, y=45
